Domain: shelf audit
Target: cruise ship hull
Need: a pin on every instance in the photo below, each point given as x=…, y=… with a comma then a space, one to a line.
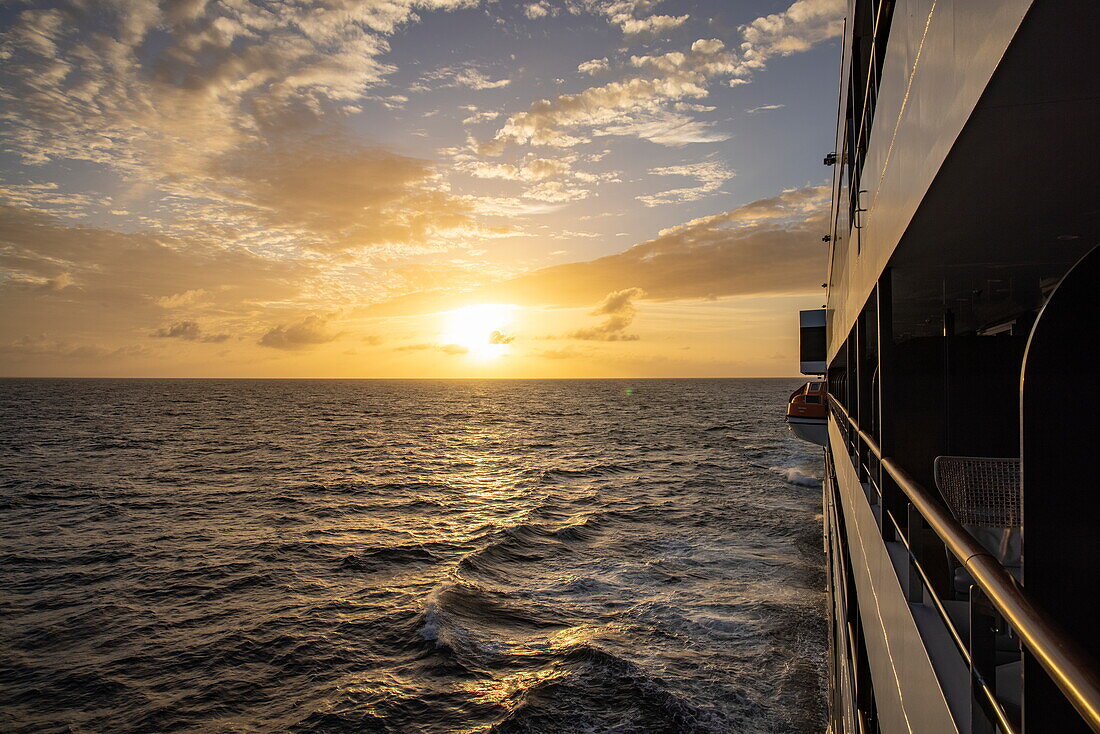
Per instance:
x=964, y=214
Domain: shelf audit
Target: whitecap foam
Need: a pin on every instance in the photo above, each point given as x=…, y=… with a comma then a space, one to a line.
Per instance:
x=798, y=476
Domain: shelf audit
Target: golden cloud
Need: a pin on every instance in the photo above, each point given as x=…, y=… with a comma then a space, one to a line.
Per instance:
x=767, y=247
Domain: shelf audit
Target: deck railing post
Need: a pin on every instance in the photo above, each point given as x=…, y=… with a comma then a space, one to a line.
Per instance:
x=983, y=663
x=913, y=529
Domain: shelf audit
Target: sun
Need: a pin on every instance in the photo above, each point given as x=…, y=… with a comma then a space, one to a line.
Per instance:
x=478, y=331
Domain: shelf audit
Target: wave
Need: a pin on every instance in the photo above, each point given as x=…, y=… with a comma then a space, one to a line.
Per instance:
x=480, y=625
x=529, y=542
x=590, y=689
x=597, y=470
x=387, y=559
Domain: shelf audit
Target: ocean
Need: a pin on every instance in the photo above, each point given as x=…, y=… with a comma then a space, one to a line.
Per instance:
x=408, y=556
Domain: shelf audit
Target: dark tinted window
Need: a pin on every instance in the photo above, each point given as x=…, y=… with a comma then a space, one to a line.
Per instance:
x=812, y=346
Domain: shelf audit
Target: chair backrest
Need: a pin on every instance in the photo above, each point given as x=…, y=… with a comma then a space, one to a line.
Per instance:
x=980, y=491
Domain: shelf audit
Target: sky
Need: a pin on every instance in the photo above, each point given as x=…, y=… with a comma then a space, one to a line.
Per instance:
x=400, y=188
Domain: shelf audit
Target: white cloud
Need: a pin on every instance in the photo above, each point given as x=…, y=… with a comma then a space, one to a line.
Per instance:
x=460, y=75
x=219, y=76
x=799, y=27
x=630, y=16
x=710, y=174
x=653, y=25
x=477, y=117
x=667, y=128
x=593, y=67
x=539, y=9
x=622, y=106
x=632, y=104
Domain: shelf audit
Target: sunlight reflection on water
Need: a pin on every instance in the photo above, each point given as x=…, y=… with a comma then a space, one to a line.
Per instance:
x=557, y=556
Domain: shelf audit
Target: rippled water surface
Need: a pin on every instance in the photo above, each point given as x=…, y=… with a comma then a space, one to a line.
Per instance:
x=421, y=556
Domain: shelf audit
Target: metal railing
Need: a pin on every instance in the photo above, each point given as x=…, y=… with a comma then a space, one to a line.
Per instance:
x=1069, y=666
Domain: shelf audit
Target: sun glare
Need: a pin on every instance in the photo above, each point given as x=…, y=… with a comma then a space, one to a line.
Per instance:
x=478, y=331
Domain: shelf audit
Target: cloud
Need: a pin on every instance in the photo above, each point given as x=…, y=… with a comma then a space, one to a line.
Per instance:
x=216, y=110
x=770, y=246
x=680, y=75
x=188, y=331
x=127, y=279
x=539, y=9
x=477, y=117
x=124, y=282
x=335, y=195
x=555, y=192
x=529, y=170
x=499, y=338
x=593, y=67
x=309, y=332
x=539, y=174
x=624, y=13
x=667, y=128
x=216, y=76
x=178, y=300
x=40, y=347
x=711, y=174
x=60, y=282
x=764, y=108
x=797, y=28
x=619, y=309
x=638, y=105
x=652, y=25
x=467, y=76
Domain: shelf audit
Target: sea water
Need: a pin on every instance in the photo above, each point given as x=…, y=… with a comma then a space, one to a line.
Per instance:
x=408, y=556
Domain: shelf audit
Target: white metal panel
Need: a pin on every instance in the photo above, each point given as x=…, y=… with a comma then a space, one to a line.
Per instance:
x=907, y=692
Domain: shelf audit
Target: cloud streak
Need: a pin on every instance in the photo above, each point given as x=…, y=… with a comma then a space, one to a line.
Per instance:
x=189, y=331
x=710, y=174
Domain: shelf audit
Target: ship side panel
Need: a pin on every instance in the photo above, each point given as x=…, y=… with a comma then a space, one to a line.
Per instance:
x=842, y=687
x=940, y=56
x=907, y=691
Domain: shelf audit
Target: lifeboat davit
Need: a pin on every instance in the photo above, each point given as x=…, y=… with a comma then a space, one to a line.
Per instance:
x=806, y=413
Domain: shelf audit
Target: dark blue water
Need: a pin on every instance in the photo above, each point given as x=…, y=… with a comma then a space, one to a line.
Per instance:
x=421, y=556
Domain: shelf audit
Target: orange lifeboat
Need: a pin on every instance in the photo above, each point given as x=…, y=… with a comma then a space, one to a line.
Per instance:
x=806, y=411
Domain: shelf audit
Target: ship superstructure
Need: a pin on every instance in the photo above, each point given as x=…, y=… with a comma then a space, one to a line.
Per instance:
x=962, y=512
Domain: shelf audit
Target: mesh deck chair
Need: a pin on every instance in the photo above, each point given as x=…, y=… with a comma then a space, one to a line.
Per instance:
x=984, y=495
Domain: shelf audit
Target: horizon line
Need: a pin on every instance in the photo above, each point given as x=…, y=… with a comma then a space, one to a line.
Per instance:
x=402, y=379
